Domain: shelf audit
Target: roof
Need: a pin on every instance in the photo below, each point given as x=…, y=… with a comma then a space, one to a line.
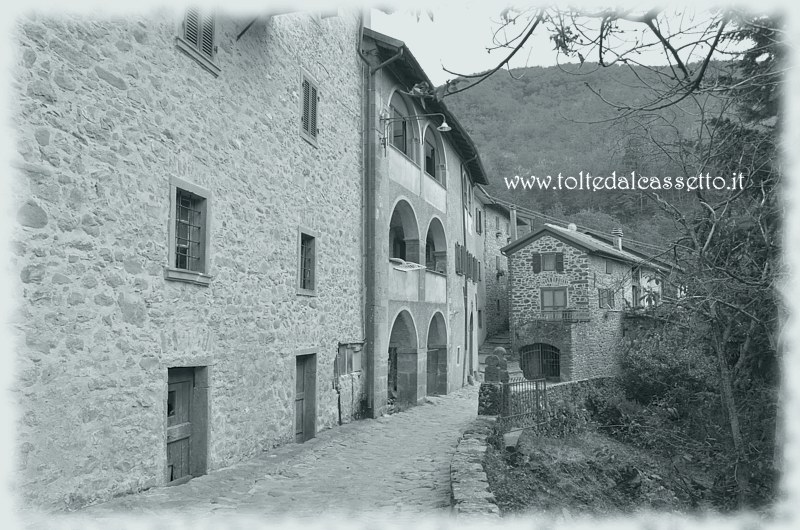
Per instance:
x=491, y=202
x=582, y=241
x=408, y=70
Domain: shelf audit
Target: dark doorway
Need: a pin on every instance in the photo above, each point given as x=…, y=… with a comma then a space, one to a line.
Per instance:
x=187, y=420
x=305, y=401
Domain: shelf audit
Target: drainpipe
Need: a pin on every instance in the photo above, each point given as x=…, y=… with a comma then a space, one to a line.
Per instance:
x=513, y=228
x=370, y=200
x=368, y=113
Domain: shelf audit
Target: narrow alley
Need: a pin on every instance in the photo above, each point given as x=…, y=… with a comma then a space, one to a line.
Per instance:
x=396, y=465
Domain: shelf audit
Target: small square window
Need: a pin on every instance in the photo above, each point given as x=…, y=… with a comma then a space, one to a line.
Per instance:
x=307, y=265
x=188, y=233
x=308, y=115
x=548, y=262
x=605, y=298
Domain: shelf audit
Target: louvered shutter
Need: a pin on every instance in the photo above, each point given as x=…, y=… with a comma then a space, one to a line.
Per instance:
x=207, y=37
x=536, y=260
x=191, y=27
x=458, y=259
x=312, y=113
x=559, y=262
x=306, y=104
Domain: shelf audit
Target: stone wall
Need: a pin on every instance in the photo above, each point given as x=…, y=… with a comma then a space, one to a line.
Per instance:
x=496, y=314
x=106, y=112
x=587, y=348
x=469, y=485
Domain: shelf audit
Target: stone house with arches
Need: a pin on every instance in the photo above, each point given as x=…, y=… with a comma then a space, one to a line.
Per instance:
x=568, y=294
x=422, y=287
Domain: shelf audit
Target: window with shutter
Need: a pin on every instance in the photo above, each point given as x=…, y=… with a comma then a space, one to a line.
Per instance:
x=197, y=38
x=536, y=261
x=458, y=258
x=308, y=116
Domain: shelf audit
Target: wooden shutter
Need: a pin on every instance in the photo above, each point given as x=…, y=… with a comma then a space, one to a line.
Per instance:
x=536, y=260
x=207, y=37
x=306, y=104
x=559, y=262
x=458, y=258
x=191, y=27
x=312, y=125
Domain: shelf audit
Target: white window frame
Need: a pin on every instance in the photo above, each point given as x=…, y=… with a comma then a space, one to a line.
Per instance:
x=171, y=272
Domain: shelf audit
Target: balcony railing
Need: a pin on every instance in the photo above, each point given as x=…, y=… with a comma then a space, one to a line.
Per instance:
x=565, y=315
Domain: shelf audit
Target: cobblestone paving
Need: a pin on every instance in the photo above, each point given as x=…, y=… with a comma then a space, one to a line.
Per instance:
x=391, y=466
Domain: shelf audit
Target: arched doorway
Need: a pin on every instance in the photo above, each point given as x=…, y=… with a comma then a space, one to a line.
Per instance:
x=540, y=360
x=437, y=355
x=402, y=373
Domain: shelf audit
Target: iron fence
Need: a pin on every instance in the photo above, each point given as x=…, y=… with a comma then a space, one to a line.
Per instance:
x=524, y=404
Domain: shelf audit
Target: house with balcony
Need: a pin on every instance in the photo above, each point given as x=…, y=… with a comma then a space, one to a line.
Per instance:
x=568, y=291
x=425, y=259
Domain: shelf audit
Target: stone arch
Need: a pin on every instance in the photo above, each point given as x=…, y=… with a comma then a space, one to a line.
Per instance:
x=404, y=232
x=434, y=160
x=437, y=355
x=403, y=355
x=539, y=360
x=403, y=135
x=436, y=246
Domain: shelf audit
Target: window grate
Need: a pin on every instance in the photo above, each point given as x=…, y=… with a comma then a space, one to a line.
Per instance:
x=188, y=232
x=540, y=360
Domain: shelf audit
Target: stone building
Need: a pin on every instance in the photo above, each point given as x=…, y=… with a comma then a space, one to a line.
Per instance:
x=422, y=286
x=568, y=292
x=497, y=229
x=189, y=202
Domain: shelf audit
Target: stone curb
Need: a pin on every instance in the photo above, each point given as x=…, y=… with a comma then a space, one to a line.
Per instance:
x=469, y=486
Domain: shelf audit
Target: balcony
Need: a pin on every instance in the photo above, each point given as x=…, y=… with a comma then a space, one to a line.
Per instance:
x=564, y=315
x=435, y=287
x=403, y=284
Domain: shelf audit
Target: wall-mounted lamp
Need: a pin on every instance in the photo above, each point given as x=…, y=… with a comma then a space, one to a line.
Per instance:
x=444, y=127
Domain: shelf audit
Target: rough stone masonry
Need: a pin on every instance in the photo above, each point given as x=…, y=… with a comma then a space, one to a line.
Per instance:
x=107, y=110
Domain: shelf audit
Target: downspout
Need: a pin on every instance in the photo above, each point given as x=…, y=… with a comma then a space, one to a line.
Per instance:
x=369, y=217
x=370, y=200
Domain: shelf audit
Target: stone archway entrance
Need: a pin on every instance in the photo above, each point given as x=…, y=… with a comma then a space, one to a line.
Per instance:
x=403, y=362
x=437, y=356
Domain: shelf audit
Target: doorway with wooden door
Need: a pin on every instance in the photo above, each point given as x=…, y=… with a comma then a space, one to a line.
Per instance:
x=305, y=400
x=187, y=419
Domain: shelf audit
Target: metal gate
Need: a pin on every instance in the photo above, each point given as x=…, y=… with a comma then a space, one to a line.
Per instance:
x=524, y=404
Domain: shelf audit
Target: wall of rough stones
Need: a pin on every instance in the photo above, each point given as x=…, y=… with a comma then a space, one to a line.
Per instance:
x=588, y=349
x=106, y=111
x=496, y=286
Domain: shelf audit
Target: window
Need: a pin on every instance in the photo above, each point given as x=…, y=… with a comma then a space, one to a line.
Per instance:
x=479, y=271
x=554, y=298
x=399, y=130
x=480, y=318
x=307, y=277
x=188, y=233
x=548, y=261
x=478, y=220
x=347, y=361
x=497, y=222
x=197, y=38
x=430, y=157
x=635, y=295
x=308, y=118
x=609, y=266
x=605, y=298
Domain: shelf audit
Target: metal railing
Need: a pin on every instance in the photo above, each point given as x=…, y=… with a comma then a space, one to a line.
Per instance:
x=565, y=315
x=524, y=404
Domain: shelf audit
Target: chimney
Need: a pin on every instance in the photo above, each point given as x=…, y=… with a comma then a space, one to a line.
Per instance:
x=617, y=232
x=513, y=227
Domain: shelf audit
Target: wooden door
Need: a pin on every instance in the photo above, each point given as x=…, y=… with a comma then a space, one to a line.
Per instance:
x=305, y=410
x=433, y=368
x=179, y=425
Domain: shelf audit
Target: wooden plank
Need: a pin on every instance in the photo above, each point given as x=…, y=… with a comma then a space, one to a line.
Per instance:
x=179, y=432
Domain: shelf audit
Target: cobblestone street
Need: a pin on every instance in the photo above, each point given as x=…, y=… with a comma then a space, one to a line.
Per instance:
x=397, y=465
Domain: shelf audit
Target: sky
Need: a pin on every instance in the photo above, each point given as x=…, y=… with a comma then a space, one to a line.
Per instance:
x=459, y=33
